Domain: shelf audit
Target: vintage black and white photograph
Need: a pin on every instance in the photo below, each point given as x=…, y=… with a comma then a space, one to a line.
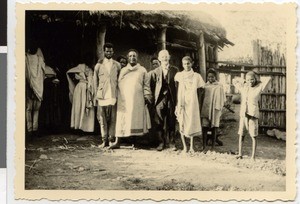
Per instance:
x=156, y=100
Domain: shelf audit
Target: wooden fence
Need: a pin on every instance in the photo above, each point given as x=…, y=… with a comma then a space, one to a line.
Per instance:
x=271, y=62
x=266, y=62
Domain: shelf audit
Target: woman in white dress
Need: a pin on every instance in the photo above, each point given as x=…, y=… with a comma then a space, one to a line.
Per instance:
x=81, y=95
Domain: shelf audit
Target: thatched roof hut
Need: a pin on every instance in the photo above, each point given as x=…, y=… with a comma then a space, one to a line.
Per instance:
x=185, y=32
x=190, y=22
x=71, y=37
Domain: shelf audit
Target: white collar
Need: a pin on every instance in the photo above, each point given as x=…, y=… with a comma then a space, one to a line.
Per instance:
x=107, y=60
x=131, y=68
x=165, y=67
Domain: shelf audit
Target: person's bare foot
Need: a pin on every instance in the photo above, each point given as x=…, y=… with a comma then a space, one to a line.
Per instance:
x=253, y=159
x=192, y=151
x=103, y=145
x=184, y=150
x=114, y=146
x=239, y=157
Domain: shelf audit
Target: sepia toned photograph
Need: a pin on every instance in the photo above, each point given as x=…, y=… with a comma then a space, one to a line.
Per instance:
x=181, y=99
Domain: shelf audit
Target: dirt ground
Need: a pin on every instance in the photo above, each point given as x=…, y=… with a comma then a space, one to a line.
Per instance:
x=68, y=161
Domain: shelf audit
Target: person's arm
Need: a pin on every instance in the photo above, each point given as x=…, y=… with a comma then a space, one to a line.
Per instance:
x=265, y=83
x=201, y=82
x=43, y=66
x=95, y=83
x=152, y=81
x=26, y=69
x=147, y=90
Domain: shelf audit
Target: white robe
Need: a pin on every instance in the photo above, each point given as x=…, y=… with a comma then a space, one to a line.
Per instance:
x=132, y=114
x=187, y=110
x=81, y=95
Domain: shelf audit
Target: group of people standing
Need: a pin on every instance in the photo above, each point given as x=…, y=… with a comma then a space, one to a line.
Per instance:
x=130, y=101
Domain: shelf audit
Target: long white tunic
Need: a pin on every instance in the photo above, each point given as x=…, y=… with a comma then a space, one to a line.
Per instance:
x=187, y=110
x=81, y=95
x=132, y=115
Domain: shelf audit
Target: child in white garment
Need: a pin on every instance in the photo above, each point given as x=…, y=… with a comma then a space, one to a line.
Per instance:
x=249, y=113
x=187, y=109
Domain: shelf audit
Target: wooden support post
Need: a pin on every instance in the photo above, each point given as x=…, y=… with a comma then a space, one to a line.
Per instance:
x=101, y=40
x=216, y=56
x=202, y=57
x=242, y=73
x=162, y=39
x=216, y=66
x=255, y=51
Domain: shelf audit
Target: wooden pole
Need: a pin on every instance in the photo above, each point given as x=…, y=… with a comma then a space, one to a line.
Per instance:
x=216, y=56
x=202, y=57
x=101, y=40
x=162, y=38
x=254, y=49
x=242, y=73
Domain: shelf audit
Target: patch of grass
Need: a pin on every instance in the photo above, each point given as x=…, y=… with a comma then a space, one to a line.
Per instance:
x=134, y=180
x=174, y=185
x=135, y=184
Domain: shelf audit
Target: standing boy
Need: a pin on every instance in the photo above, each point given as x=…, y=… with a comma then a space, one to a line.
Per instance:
x=105, y=81
x=249, y=113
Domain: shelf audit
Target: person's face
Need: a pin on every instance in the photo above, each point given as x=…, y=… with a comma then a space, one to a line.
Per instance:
x=132, y=58
x=250, y=79
x=155, y=64
x=187, y=65
x=108, y=52
x=123, y=62
x=164, y=58
x=211, y=77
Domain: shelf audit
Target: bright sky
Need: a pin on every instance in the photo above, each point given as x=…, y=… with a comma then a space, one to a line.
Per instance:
x=243, y=26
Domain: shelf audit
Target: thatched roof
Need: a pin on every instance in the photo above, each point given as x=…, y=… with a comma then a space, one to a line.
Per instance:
x=188, y=21
x=192, y=22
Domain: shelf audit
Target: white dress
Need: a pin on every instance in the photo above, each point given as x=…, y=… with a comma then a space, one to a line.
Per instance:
x=187, y=110
x=81, y=95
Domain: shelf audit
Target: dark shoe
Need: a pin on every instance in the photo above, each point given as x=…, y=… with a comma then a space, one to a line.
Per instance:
x=205, y=150
x=28, y=137
x=172, y=147
x=111, y=139
x=34, y=134
x=160, y=147
x=219, y=142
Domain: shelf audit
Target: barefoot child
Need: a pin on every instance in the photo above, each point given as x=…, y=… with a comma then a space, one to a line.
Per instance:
x=249, y=113
x=187, y=109
x=214, y=99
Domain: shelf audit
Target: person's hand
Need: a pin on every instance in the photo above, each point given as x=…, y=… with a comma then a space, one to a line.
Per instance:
x=87, y=109
x=227, y=105
x=176, y=111
x=55, y=81
x=147, y=101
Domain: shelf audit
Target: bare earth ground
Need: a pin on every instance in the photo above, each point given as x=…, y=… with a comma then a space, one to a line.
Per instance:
x=72, y=162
